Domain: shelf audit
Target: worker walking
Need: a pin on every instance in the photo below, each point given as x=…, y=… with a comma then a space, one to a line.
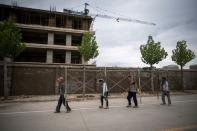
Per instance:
x=104, y=93
x=61, y=90
x=165, y=91
x=132, y=92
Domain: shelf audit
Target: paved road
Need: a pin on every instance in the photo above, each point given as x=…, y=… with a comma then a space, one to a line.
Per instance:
x=86, y=116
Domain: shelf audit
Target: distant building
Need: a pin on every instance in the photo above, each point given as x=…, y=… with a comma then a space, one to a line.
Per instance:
x=149, y=68
x=50, y=36
x=193, y=67
x=170, y=67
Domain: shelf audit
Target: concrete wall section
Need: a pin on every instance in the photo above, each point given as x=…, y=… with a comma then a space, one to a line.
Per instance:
x=190, y=79
x=1, y=81
x=33, y=81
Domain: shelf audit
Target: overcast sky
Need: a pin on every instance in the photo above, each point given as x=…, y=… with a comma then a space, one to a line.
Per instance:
x=119, y=42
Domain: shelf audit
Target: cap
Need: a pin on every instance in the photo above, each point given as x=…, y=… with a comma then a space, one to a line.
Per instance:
x=60, y=78
x=101, y=80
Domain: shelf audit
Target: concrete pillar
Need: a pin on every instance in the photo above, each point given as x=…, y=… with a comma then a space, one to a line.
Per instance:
x=68, y=39
x=50, y=38
x=52, y=21
x=68, y=53
x=68, y=23
x=85, y=25
x=68, y=57
x=49, y=58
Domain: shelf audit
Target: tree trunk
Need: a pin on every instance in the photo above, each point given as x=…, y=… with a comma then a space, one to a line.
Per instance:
x=182, y=85
x=151, y=75
x=83, y=61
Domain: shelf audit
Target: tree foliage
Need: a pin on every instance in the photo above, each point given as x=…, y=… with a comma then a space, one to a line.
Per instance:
x=88, y=48
x=10, y=40
x=152, y=53
x=181, y=55
x=10, y=46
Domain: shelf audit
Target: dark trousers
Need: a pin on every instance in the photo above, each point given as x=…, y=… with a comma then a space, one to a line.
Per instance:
x=106, y=99
x=166, y=93
x=130, y=96
x=65, y=103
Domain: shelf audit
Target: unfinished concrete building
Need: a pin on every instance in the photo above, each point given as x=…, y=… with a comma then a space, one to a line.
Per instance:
x=49, y=36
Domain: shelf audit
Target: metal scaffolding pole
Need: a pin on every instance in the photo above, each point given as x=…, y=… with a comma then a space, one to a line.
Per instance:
x=84, y=75
x=139, y=83
x=66, y=81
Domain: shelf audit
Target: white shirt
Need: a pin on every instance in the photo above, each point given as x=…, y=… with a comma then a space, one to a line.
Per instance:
x=165, y=86
x=104, y=88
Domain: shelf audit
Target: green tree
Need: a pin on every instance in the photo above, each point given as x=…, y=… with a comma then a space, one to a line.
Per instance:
x=10, y=46
x=181, y=56
x=152, y=53
x=88, y=48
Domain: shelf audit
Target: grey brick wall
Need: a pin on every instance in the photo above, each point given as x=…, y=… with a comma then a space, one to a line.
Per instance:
x=35, y=79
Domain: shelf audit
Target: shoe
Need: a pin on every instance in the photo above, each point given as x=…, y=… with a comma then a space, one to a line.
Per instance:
x=68, y=111
x=100, y=106
x=57, y=112
x=128, y=106
x=135, y=107
x=106, y=107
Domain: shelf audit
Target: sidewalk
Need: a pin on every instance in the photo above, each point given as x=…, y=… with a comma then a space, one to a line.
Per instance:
x=79, y=97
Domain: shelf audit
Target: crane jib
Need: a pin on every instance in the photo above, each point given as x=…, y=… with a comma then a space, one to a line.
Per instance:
x=122, y=19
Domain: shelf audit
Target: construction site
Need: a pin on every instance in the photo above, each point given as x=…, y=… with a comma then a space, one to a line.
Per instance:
x=31, y=90
x=50, y=36
x=52, y=39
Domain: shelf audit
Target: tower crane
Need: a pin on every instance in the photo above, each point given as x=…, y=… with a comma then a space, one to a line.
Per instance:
x=118, y=19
